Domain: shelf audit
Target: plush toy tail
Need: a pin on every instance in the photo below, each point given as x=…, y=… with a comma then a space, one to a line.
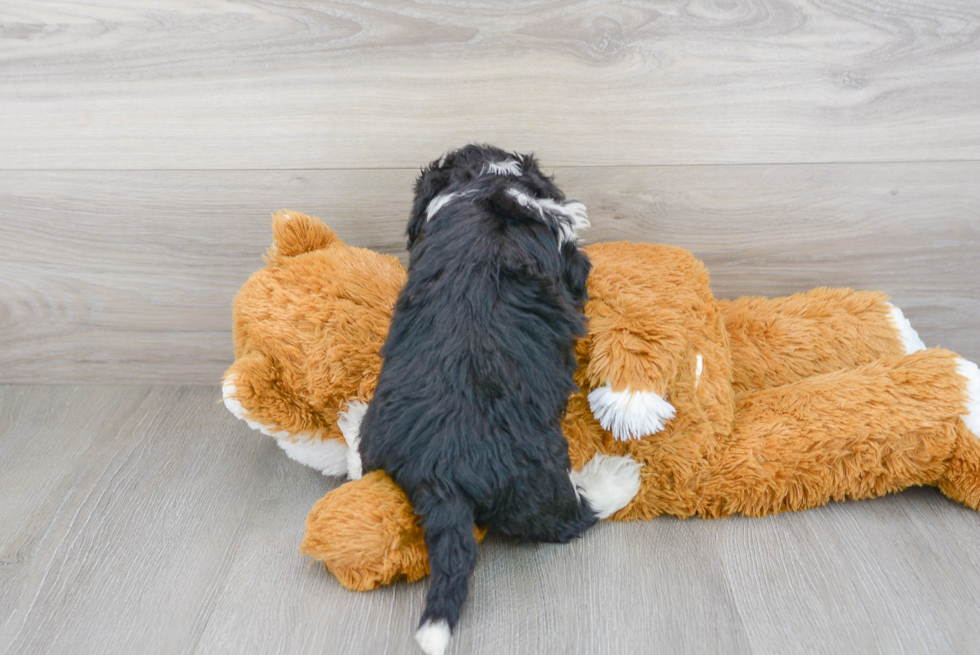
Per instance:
x=294, y=233
x=448, y=523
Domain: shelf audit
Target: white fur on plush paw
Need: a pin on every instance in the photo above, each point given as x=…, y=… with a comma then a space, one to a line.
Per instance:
x=971, y=372
x=229, y=392
x=325, y=455
x=630, y=414
x=349, y=423
x=433, y=637
x=908, y=335
x=328, y=456
x=608, y=483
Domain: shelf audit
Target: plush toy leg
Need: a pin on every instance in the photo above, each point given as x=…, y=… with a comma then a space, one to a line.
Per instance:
x=653, y=326
x=366, y=533
x=781, y=340
x=850, y=434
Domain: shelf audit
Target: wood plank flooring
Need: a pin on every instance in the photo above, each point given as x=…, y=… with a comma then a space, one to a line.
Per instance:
x=147, y=519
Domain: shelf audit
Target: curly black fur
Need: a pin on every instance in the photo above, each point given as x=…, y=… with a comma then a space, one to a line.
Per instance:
x=478, y=366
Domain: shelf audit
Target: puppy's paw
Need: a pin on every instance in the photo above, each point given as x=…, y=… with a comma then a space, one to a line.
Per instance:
x=630, y=414
x=608, y=483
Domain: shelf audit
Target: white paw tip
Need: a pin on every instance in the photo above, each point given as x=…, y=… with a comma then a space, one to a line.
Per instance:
x=971, y=372
x=630, y=414
x=433, y=637
x=908, y=335
x=608, y=482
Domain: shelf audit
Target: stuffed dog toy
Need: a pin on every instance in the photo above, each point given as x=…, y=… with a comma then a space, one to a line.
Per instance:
x=751, y=406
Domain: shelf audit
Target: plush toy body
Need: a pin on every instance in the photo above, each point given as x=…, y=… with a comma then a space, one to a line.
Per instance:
x=752, y=406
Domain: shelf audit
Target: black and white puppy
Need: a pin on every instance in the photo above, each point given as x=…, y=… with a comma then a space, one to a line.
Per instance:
x=478, y=368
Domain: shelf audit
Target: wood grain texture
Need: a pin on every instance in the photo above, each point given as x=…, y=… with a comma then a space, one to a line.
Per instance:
x=110, y=84
x=149, y=520
x=113, y=276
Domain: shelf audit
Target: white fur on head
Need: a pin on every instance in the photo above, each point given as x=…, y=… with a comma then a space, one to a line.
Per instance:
x=569, y=217
x=433, y=637
x=908, y=335
x=630, y=414
x=349, y=423
x=506, y=167
x=438, y=203
x=609, y=483
x=441, y=201
x=971, y=372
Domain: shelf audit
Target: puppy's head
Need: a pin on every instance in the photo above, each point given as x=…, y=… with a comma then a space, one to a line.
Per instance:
x=512, y=185
x=474, y=168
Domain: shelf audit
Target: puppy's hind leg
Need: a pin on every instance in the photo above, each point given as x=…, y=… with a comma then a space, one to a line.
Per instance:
x=558, y=506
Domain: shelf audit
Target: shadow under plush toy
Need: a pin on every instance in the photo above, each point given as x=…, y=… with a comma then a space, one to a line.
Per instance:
x=752, y=406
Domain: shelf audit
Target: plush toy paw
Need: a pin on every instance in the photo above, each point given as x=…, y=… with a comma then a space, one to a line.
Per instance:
x=366, y=533
x=908, y=335
x=608, y=483
x=630, y=414
x=328, y=456
x=971, y=372
x=229, y=393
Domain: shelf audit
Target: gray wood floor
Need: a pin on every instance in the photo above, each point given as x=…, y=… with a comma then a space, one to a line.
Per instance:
x=147, y=519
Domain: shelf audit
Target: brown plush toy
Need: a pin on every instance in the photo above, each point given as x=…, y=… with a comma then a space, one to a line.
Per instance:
x=752, y=406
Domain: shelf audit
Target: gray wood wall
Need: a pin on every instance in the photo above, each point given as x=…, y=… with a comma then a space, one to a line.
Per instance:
x=789, y=143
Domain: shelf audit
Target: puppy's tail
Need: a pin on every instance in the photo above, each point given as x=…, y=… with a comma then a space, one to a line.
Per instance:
x=447, y=519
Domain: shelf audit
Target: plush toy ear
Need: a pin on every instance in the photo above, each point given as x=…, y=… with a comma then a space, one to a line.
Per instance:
x=432, y=181
x=294, y=233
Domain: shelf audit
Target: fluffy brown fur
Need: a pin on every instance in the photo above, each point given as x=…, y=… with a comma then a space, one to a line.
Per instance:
x=308, y=328
x=800, y=400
